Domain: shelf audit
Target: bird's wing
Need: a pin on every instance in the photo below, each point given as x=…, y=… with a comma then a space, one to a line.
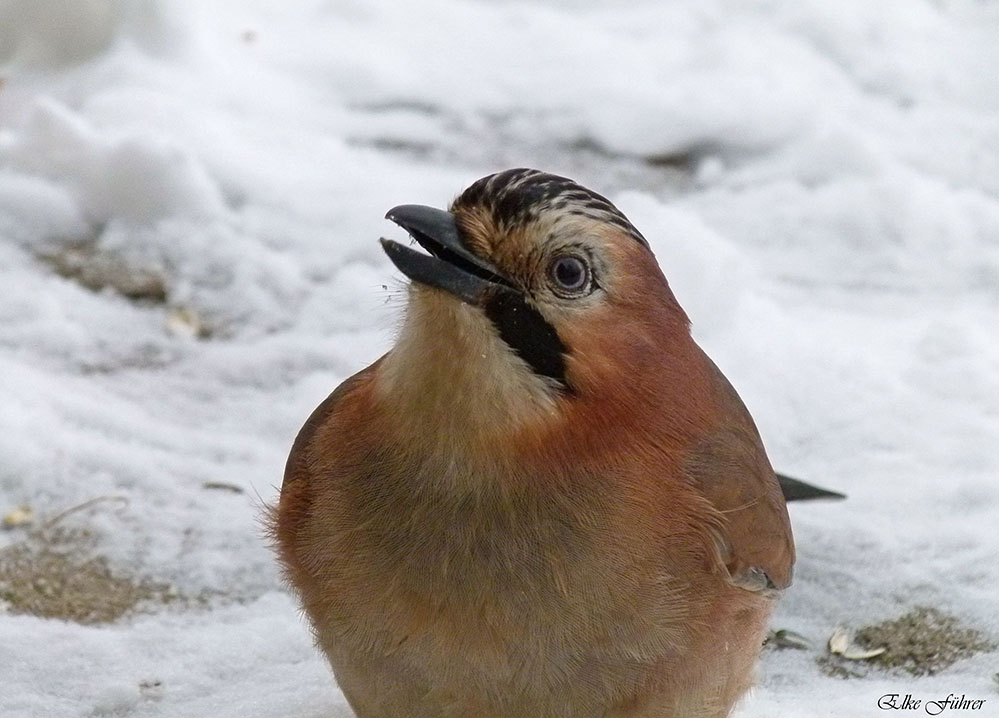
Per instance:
x=296, y=491
x=731, y=470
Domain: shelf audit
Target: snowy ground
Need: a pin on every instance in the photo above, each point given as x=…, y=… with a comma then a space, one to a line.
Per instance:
x=820, y=181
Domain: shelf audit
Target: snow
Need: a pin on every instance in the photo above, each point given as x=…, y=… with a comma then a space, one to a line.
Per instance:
x=820, y=182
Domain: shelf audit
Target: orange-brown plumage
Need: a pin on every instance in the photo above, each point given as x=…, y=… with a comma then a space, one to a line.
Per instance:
x=542, y=501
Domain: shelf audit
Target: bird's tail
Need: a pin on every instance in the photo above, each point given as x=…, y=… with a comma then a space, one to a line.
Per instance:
x=797, y=490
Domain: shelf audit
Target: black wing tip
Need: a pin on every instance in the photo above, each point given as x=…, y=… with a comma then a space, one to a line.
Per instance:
x=797, y=490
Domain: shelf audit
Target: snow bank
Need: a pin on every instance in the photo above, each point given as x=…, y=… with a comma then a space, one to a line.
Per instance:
x=190, y=198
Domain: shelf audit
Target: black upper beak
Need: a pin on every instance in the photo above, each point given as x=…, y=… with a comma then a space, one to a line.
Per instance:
x=450, y=265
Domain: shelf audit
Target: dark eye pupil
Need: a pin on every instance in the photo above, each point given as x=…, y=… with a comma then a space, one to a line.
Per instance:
x=570, y=272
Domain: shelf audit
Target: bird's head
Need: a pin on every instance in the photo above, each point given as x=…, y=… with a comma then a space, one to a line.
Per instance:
x=537, y=295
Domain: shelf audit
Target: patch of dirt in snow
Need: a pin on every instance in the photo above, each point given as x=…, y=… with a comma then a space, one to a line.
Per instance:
x=923, y=642
x=57, y=572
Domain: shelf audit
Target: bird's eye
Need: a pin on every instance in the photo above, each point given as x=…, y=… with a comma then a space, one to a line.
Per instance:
x=570, y=275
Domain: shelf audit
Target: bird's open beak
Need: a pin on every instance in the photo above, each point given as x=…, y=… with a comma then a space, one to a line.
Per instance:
x=450, y=265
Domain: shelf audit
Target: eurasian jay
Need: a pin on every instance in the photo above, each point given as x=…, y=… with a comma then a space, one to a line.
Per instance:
x=545, y=501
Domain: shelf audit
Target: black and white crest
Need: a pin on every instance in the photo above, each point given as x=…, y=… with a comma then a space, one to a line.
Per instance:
x=518, y=196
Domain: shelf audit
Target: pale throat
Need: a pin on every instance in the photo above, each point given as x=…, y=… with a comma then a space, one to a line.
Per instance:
x=454, y=381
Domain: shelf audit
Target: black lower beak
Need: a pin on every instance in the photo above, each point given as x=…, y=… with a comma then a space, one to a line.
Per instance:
x=450, y=265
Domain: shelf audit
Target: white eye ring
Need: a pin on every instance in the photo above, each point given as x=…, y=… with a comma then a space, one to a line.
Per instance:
x=569, y=275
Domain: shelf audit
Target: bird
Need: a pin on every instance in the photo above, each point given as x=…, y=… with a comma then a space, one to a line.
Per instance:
x=545, y=500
